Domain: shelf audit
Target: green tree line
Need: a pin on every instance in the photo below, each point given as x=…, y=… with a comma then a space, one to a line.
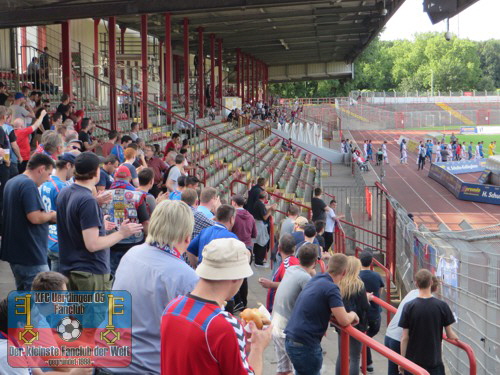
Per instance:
x=427, y=62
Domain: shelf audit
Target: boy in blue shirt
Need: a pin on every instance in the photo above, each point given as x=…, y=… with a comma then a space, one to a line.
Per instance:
x=49, y=191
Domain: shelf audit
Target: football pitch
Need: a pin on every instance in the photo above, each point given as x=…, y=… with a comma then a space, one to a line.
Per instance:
x=486, y=138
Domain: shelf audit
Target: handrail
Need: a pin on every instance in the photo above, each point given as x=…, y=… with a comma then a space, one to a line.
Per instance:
x=350, y=331
x=280, y=136
x=459, y=344
x=196, y=166
x=388, y=278
x=231, y=185
x=363, y=229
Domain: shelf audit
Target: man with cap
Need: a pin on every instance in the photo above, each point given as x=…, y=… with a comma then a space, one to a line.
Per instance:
x=20, y=109
x=83, y=243
x=129, y=204
x=49, y=192
x=216, y=342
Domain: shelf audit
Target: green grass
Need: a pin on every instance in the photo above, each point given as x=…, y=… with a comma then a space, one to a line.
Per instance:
x=487, y=138
x=441, y=128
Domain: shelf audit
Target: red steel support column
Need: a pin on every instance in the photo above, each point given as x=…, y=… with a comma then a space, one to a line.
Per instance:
x=252, y=79
x=242, y=77
x=186, y=66
x=96, y=56
x=112, y=72
x=41, y=37
x=24, y=41
x=161, y=62
x=219, y=94
x=177, y=60
x=247, y=76
x=238, y=92
x=168, y=64
x=212, y=70
x=145, y=73
x=66, y=58
x=201, y=75
x=122, y=51
x=254, y=76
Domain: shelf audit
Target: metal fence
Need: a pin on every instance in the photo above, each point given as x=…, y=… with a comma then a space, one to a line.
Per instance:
x=468, y=263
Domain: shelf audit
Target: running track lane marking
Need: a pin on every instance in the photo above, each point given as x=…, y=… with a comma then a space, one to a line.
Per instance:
x=413, y=172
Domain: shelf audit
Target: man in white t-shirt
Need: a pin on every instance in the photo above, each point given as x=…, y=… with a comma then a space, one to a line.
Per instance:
x=331, y=220
x=296, y=277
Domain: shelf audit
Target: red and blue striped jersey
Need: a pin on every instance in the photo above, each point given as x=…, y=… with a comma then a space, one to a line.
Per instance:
x=278, y=276
x=199, y=338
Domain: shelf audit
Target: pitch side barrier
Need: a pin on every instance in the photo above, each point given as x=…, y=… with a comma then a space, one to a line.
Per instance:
x=447, y=174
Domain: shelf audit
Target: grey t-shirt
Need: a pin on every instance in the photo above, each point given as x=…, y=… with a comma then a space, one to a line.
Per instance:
x=287, y=227
x=18, y=112
x=288, y=291
x=174, y=174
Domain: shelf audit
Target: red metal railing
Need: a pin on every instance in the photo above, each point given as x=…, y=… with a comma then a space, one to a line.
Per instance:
x=339, y=242
x=202, y=169
x=364, y=230
x=459, y=344
x=349, y=331
x=388, y=278
x=278, y=197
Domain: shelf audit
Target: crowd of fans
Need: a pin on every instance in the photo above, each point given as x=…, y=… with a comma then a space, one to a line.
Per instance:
x=121, y=215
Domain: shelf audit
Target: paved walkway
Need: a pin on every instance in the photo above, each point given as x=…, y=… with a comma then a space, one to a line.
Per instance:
x=257, y=294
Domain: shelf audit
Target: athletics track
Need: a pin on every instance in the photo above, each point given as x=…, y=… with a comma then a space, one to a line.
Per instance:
x=430, y=202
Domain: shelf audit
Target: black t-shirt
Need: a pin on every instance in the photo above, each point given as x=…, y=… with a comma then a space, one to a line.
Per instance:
x=23, y=242
x=62, y=109
x=3, y=98
x=359, y=304
x=259, y=210
x=253, y=196
x=425, y=318
x=78, y=210
x=373, y=282
x=45, y=121
x=4, y=143
x=84, y=137
x=104, y=180
x=318, y=209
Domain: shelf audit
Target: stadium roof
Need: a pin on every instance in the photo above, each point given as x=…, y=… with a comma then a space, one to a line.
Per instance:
x=276, y=32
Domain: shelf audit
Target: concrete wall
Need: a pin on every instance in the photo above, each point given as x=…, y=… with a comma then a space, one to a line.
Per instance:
x=327, y=154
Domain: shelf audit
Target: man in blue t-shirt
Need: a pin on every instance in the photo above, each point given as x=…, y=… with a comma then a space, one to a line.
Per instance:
x=373, y=284
x=318, y=301
x=26, y=223
x=109, y=165
x=49, y=192
x=118, y=150
x=83, y=245
x=224, y=221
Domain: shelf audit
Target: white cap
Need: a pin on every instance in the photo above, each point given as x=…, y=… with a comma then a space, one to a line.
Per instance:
x=225, y=259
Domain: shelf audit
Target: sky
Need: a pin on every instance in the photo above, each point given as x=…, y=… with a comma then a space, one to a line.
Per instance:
x=477, y=22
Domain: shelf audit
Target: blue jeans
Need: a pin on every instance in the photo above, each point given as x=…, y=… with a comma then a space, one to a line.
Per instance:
x=24, y=275
x=354, y=357
x=394, y=345
x=55, y=265
x=306, y=359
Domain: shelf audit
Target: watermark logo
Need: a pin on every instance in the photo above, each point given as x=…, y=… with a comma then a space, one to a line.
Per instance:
x=69, y=329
